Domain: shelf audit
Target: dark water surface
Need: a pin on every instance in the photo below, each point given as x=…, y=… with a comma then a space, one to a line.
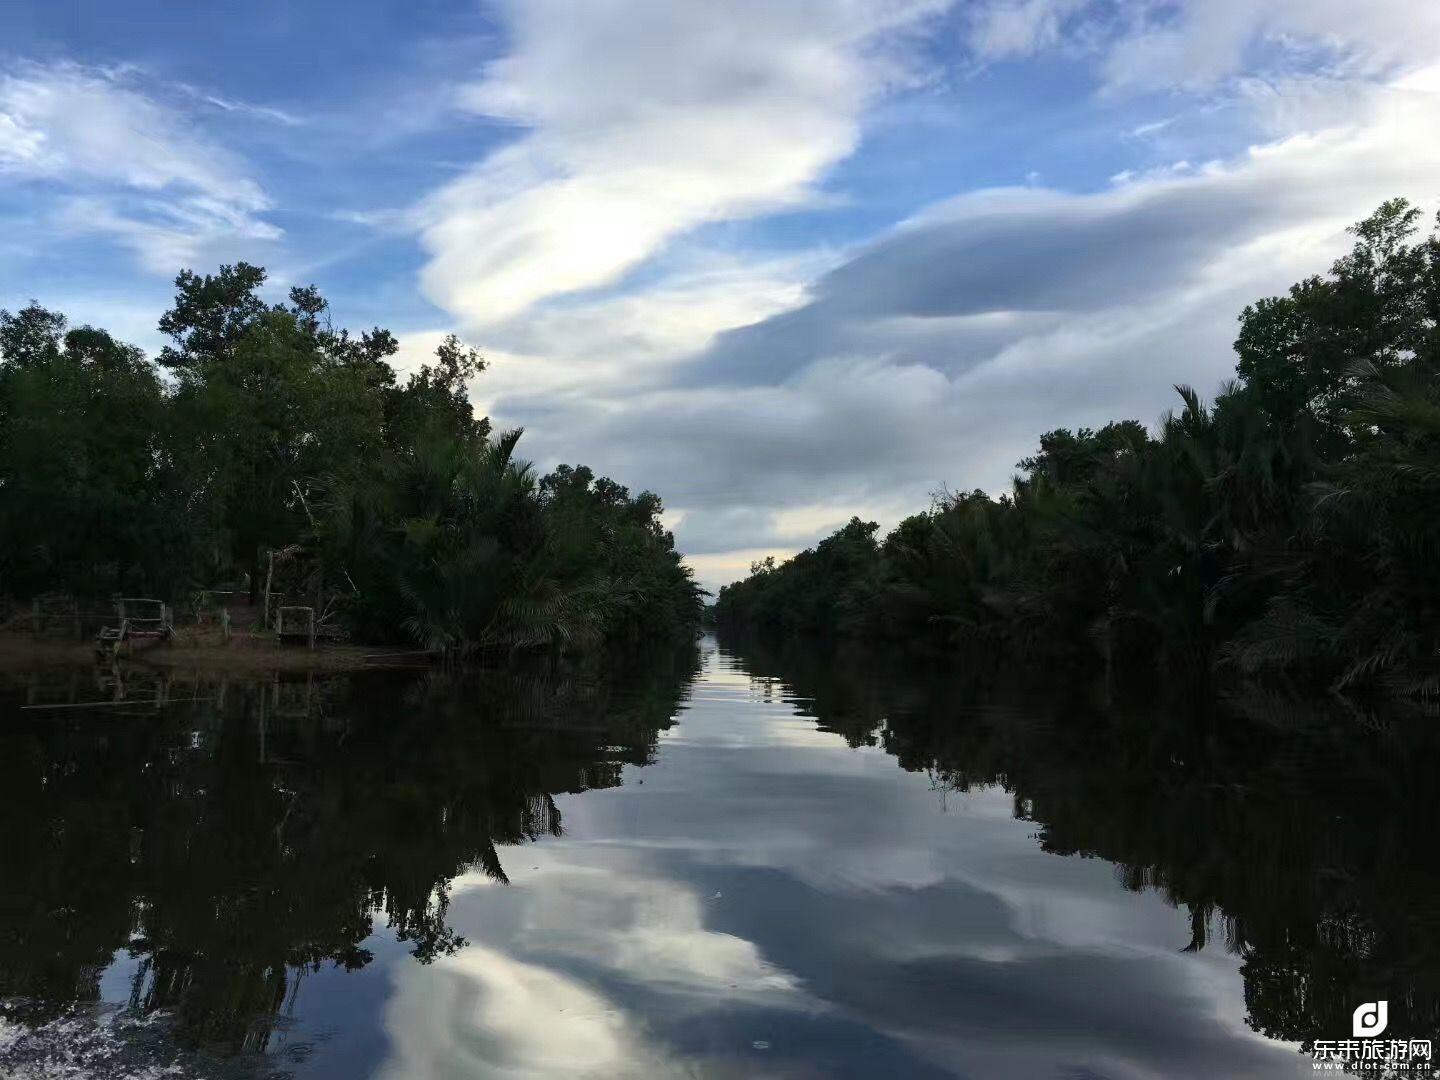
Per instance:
x=742, y=863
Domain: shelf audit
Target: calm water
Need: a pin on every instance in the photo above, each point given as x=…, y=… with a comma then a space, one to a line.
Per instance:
x=730, y=864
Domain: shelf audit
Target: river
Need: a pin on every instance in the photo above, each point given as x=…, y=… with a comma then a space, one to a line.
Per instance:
x=735, y=862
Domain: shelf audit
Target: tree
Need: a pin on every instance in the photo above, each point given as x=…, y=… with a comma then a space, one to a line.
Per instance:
x=1298, y=352
x=1292, y=525
x=435, y=401
x=269, y=400
x=81, y=458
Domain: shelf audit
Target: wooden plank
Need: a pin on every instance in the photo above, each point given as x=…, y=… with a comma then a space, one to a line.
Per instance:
x=136, y=702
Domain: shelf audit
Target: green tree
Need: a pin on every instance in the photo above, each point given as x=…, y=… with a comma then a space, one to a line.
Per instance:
x=82, y=463
x=1292, y=525
x=269, y=399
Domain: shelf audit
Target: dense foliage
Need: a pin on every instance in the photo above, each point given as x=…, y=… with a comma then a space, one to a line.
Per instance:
x=1292, y=525
x=263, y=429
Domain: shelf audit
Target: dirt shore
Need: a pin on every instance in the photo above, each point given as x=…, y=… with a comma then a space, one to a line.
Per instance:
x=204, y=649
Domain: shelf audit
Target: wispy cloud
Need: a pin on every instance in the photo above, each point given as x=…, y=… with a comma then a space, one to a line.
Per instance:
x=937, y=354
x=1197, y=43
x=644, y=121
x=259, y=112
x=1202, y=41
x=614, y=223
x=1003, y=28
x=125, y=163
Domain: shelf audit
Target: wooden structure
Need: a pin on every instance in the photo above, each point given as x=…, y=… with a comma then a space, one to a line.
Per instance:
x=143, y=622
x=295, y=623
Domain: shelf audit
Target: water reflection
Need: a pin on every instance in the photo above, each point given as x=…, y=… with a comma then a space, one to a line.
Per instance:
x=831, y=866
x=1295, y=835
x=231, y=836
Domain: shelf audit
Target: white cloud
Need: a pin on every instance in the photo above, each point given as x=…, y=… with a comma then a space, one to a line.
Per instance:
x=1197, y=43
x=1019, y=27
x=1203, y=41
x=66, y=120
x=482, y=1013
x=645, y=120
x=523, y=1011
x=937, y=355
x=647, y=930
x=127, y=164
x=763, y=396
x=164, y=235
x=258, y=112
x=585, y=349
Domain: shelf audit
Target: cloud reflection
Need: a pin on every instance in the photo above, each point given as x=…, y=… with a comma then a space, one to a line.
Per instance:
x=762, y=904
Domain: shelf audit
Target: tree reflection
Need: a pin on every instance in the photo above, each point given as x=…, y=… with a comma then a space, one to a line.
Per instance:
x=1296, y=834
x=233, y=843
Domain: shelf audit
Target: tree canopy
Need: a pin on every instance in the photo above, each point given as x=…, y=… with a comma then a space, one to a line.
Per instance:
x=263, y=427
x=1290, y=526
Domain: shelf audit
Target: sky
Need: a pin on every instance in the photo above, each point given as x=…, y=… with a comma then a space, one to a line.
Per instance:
x=779, y=262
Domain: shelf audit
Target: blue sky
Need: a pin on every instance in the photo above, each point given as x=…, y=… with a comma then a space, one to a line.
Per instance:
x=779, y=262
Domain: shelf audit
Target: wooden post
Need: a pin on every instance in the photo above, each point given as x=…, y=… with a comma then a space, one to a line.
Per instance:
x=35, y=617
x=225, y=623
x=269, y=576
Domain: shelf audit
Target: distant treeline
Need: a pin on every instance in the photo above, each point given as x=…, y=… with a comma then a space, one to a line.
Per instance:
x=1291, y=527
x=262, y=428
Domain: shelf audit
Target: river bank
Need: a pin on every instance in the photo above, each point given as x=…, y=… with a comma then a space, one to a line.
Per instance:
x=203, y=648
